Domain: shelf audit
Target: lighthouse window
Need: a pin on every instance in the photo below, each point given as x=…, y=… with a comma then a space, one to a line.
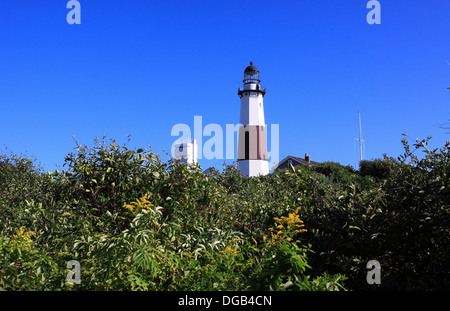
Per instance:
x=247, y=145
x=181, y=148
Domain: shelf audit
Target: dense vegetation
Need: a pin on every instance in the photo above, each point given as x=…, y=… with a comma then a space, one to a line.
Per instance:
x=135, y=222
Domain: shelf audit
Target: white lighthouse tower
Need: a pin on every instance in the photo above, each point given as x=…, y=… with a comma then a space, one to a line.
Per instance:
x=252, y=147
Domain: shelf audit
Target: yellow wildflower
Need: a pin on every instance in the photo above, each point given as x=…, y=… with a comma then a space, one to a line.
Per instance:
x=140, y=205
x=286, y=227
x=23, y=239
x=229, y=250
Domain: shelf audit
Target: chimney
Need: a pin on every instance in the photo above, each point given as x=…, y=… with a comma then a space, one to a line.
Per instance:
x=307, y=158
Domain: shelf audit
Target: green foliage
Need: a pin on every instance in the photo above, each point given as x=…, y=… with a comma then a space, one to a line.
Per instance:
x=379, y=169
x=397, y=212
x=135, y=222
x=23, y=266
x=335, y=171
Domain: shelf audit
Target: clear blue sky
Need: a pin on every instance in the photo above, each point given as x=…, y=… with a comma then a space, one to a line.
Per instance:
x=140, y=67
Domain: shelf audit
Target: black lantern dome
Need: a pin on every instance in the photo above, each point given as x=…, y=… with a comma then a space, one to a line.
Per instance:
x=251, y=74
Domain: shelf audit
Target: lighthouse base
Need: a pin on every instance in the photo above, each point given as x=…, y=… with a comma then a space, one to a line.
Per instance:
x=251, y=168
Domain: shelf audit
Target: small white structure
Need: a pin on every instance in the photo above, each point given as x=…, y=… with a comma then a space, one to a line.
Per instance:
x=252, y=157
x=186, y=151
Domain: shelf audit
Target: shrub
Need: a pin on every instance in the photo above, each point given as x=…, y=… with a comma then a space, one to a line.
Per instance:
x=379, y=169
x=137, y=223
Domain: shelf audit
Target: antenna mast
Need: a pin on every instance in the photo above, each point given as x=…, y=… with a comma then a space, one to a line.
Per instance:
x=360, y=140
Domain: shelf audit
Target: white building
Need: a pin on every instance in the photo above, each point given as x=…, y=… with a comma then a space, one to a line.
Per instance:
x=252, y=147
x=186, y=151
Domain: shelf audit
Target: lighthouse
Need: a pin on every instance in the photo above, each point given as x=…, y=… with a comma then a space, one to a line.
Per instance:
x=252, y=146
